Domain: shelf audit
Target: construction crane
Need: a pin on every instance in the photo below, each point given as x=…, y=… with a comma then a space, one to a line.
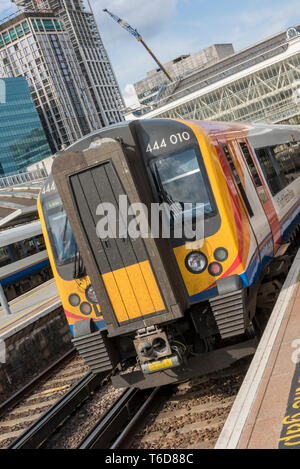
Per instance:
x=139, y=38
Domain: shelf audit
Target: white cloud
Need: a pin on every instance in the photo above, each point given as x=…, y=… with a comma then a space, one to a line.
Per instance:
x=130, y=96
x=148, y=18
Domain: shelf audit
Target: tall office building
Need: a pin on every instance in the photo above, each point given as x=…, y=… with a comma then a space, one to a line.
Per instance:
x=22, y=138
x=101, y=84
x=38, y=47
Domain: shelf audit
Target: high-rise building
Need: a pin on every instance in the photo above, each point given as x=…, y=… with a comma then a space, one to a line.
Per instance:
x=101, y=84
x=22, y=138
x=37, y=46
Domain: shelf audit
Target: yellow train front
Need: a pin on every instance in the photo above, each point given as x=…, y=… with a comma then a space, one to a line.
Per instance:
x=177, y=224
x=74, y=287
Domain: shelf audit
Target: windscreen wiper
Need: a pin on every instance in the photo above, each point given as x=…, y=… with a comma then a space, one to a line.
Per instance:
x=79, y=268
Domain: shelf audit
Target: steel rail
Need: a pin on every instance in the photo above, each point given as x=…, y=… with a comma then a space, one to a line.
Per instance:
x=15, y=398
x=115, y=426
x=37, y=433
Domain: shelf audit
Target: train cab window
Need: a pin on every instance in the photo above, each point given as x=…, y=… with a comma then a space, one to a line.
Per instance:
x=238, y=180
x=4, y=257
x=270, y=169
x=40, y=242
x=30, y=247
x=181, y=179
x=60, y=232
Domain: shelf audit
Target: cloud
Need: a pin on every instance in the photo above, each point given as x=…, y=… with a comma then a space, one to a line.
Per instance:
x=148, y=18
x=130, y=96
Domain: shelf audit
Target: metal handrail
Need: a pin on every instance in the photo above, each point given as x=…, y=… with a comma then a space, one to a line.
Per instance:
x=23, y=178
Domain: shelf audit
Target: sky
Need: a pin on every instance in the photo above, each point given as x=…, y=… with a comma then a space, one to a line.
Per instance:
x=174, y=27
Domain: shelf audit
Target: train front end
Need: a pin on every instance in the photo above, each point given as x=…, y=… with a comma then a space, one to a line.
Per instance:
x=149, y=216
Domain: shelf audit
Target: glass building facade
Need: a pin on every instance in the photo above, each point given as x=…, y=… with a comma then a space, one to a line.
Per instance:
x=22, y=139
x=78, y=49
x=38, y=47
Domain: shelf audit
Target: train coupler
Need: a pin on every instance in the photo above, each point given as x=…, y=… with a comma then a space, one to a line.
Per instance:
x=154, y=351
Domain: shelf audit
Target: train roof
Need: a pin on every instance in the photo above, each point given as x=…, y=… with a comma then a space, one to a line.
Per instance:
x=19, y=233
x=260, y=135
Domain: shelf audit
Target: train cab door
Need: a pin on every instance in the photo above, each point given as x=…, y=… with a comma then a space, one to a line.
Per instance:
x=263, y=193
x=259, y=225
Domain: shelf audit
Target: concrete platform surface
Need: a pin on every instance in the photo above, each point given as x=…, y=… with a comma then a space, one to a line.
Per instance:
x=29, y=306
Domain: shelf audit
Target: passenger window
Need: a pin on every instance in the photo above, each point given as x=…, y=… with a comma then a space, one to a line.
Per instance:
x=268, y=166
x=4, y=257
x=237, y=180
x=295, y=154
x=40, y=242
x=17, y=251
x=287, y=157
x=30, y=247
x=257, y=181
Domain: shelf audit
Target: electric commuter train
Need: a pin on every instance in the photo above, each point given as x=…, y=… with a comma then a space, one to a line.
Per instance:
x=24, y=262
x=73, y=285
x=180, y=306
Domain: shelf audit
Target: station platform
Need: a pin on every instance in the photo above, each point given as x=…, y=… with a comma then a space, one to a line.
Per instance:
x=28, y=307
x=32, y=337
x=266, y=412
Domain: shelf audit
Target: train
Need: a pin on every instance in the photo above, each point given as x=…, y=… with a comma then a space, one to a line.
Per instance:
x=183, y=304
x=73, y=285
x=24, y=262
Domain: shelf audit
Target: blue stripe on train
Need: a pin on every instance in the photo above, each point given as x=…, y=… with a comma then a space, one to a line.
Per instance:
x=251, y=275
x=101, y=324
x=26, y=272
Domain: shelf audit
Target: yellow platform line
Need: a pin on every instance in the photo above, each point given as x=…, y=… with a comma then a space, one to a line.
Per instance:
x=30, y=293
x=27, y=312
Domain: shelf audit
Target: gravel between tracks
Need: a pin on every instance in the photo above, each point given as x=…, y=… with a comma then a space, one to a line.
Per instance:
x=37, y=401
x=194, y=415
x=84, y=419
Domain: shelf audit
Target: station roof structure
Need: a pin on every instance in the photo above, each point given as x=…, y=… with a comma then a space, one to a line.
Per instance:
x=258, y=84
x=18, y=198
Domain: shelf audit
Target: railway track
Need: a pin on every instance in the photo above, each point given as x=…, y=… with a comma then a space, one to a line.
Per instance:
x=115, y=426
x=194, y=414
x=187, y=415
x=23, y=408
x=34, y=436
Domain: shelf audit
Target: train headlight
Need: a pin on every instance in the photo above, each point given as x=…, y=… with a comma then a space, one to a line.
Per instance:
x=221, y=254
x=196, y=262
x=85, y=308
x=74, y=299
x=90, y=294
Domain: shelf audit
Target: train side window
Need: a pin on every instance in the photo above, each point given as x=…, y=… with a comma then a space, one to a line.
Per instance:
x=4, y=257
x=269, y=168
x=256, y=177
x=40, y=242
x=30, y=247
x=295, y=154
x=17, y=251
x=282, y=156
x=251, y=164
x=237, y=180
